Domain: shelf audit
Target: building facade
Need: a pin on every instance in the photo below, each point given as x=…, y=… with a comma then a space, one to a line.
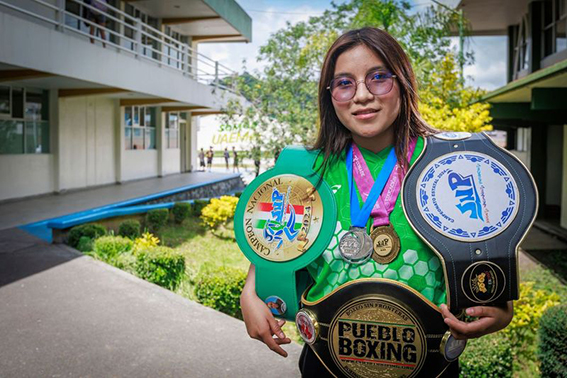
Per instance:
x=532, y=106
x=95, y=92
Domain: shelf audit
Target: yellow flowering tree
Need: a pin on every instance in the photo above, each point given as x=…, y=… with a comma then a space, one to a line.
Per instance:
x=447, y=104
x=219, y=211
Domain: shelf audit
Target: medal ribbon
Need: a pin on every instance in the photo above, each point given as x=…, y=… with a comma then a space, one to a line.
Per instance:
x=359, y=216
x=387, y=200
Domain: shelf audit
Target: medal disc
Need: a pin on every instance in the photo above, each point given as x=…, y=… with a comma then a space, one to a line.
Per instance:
x=356, y=246
x=385, y=243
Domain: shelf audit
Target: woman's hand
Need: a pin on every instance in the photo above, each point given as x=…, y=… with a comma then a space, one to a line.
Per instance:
x=490, y=319
x=260, y=323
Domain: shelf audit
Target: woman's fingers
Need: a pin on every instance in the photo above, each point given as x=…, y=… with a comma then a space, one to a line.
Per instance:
x=276, y=328
x=273, y=345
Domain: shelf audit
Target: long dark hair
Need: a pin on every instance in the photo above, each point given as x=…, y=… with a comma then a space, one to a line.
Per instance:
x=333, y=137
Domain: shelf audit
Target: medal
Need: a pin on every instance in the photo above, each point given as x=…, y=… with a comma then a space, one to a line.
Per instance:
x=386, y=244
x=356, y=245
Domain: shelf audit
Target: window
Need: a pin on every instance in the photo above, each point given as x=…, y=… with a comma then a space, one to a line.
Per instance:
x=24, y=126
x=172, y=130
x=554, y=25
x=139, y=128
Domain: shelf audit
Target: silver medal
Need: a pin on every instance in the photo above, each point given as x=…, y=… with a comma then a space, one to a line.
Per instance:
x=356, y=245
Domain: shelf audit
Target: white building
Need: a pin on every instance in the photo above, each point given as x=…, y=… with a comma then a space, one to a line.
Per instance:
x=100, y=92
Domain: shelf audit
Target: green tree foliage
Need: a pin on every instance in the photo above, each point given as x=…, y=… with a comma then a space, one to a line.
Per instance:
x=282, y=100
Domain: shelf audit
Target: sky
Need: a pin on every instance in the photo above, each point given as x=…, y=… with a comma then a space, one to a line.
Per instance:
x=268, y=16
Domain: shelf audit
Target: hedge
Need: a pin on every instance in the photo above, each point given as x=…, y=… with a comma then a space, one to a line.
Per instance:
x=552, y=347
x=220, y=289
x=487, y=356
x=91, y=230
x=161, y=265
x=129, y=229
x=181, y=211
x=157, y=218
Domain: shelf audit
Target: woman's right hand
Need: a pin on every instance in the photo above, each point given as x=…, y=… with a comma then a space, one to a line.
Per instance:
x=260, y=323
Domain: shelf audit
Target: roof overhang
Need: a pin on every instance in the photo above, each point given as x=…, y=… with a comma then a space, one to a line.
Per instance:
x=204, y=20
x=489, y=17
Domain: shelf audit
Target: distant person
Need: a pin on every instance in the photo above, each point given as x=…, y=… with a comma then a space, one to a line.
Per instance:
x=97, y=16
x=235, y=157
x=257, y=156
x=226, y=157
x=202, y=160
x=210, y=155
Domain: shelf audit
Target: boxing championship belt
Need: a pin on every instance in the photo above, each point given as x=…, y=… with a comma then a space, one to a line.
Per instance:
x=472, y=202
x=284, y=220
x=377, y=327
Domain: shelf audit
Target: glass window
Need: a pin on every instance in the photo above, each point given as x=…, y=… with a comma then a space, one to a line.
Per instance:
x=128, y=138
x=150, y=141
x=173, y=139
x=11, y=137
x=17, y=102
x=128, y=116
x=43, y=137
x=136, y=116
x=36, y=106
x=560, y=37
x=142, y=117
x=151, y=117
x=30, y=138
x=5, y=103
x=173, y=122
x=137, y=138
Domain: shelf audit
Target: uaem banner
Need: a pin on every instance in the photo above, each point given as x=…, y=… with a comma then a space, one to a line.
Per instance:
x=209, y=134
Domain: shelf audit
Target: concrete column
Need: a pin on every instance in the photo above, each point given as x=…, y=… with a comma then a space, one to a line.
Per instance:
x=120, y=140
x=160, y=139
x=193, y=128
x=55, y=137
x=564, y=181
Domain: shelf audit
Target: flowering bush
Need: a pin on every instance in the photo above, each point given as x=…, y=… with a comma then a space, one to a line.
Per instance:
x=219, y=211
x=146, y=241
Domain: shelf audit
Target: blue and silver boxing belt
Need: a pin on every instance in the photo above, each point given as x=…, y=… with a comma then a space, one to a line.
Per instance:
x=472, y=202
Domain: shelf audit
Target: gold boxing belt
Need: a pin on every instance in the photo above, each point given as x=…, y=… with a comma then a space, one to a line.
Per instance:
x=376, y=327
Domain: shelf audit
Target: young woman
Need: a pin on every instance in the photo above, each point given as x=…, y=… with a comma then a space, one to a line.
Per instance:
x=368, y=101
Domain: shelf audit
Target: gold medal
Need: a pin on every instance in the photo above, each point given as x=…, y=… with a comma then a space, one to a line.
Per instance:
x=386, y=244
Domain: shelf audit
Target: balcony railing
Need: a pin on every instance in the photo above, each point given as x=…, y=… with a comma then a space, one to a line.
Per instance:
x=128, y=34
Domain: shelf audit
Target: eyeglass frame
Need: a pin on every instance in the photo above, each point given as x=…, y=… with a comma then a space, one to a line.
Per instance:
x=392, y=76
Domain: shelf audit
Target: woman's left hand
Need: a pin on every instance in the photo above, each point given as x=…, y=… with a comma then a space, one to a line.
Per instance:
x=490, y=319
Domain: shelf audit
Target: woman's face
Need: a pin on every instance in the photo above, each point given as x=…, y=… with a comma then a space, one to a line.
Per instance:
x=368, y=117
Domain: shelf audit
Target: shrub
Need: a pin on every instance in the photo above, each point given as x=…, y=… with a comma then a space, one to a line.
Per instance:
x=181, y=211
x=157, y=218
x=522, y=330
x=129, y=229
x=85, y=244
x=487, y=356
x=552, y=348
x=146, y=241
x=161, y=265
x=108, y=247
x=198, y=206
x=92, y=231
x=220, y=289
x=219, y=211
x=238, y=194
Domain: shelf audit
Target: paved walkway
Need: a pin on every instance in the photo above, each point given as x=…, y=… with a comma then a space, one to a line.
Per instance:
x=34, y=209
x=65, y=314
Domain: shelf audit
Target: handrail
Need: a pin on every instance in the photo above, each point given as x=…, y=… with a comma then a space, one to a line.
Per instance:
x=147, y=43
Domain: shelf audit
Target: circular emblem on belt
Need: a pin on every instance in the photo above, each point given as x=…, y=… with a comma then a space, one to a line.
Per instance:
x=283, y=217
x=276, y=305
x=450, y=347
x=307, y=326
x=467, y=196
x=483, y=282
x=453, y=135
x=374, y=336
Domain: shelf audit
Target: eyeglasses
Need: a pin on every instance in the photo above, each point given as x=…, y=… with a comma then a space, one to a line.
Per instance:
x=344, y=88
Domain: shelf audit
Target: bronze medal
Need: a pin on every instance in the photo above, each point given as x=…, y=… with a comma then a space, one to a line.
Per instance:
x=386, y=244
